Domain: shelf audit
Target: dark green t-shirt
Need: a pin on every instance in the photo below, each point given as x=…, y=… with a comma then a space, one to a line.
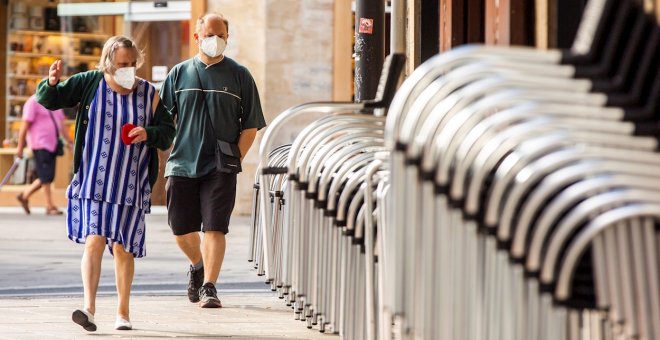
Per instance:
x=191, y=90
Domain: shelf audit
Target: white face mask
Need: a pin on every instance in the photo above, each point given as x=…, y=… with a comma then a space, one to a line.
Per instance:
x=213, y=46
x=125, y=77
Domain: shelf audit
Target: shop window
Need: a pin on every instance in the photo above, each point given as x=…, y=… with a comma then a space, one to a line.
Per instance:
x=37, y=37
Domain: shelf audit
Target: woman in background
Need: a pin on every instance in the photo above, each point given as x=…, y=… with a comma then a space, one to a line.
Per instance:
x=41, y=129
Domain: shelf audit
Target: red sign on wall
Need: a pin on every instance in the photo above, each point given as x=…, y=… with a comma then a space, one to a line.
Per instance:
x=366, y=26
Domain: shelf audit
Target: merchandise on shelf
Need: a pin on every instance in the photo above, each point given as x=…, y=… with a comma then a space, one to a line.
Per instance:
x=37, y=37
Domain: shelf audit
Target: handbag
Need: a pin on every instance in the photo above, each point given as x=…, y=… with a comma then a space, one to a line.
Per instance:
x=59, y=148
x=227, y=155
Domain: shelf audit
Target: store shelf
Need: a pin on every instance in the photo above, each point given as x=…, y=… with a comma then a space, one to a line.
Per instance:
x=18, y=98
x=26, y=76
x=31, y=76
x=81, y=35
x=29, y=51
x=65, y=57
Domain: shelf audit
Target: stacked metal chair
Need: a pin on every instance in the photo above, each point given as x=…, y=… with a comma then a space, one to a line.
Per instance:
x=521, y=205
x=509, y=193
x=313, y=228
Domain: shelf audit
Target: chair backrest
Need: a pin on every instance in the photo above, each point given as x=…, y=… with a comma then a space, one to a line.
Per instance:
x=389, y=81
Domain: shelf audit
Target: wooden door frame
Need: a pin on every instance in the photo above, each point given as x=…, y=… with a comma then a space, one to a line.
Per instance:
x=342, y=66
x=197, y=9
x=461, y=22
x=509, y=22
x=3, y=69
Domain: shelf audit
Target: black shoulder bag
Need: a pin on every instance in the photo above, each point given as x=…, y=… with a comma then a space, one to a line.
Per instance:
x=227, y=155
x=59, y=149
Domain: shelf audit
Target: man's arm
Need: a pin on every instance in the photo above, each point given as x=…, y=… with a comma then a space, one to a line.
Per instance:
x=22, y=134
x=245, y=141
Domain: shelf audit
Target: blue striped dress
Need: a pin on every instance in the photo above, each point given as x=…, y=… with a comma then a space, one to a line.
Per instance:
x=110, y=194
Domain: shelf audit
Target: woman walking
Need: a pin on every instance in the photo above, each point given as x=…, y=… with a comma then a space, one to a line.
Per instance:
x=110, y=192
x=42, y=129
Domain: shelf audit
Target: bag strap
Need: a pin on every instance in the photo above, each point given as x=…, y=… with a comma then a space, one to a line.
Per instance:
x=208, y=110
x=57, y=129
x=206, y=104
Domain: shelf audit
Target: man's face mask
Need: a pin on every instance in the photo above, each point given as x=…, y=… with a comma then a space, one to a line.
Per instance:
x=125, y=77
x=213, y=46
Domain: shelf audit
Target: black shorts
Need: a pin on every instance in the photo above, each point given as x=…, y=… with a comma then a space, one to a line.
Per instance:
x=204, y=203
x=44, y=165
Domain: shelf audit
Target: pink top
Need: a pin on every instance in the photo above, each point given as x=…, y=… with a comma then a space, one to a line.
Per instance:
x=42, y=133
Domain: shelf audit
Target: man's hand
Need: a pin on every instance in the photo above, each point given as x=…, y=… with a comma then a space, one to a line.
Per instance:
x=139, y=134
x=55, y=73
x=245, y=141
x=19, y=152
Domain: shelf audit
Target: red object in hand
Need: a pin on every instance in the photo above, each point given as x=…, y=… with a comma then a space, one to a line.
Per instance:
x=124, y=133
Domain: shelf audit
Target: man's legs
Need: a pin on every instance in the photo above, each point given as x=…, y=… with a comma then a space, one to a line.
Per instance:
x=185, y=220
x=218, y=195
x=190, y=245
x=187, y=213
x=213, y=253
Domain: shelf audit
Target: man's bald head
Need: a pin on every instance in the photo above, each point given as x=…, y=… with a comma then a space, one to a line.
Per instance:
x=208, y=18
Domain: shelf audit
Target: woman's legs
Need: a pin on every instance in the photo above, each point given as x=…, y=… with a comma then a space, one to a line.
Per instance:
x=90, y=269
x=124, y=269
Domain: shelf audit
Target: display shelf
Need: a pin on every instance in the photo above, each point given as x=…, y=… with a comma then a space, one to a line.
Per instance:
x=26, y=76
x=18, y=98
x=61, y=56
x=81, y=35
x=36, y=36
x=32, y=76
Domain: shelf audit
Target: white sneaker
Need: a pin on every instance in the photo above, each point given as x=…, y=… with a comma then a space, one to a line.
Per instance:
x=85, y=319
x=123, y=325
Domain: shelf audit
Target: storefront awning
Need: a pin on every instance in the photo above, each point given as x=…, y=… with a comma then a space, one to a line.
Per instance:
x=131, y=10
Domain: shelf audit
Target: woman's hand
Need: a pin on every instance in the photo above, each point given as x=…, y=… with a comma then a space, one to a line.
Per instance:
x=139, y=134
x=55, y=73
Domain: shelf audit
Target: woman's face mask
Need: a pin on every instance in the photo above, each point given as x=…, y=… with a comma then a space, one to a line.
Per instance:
x=125, y=77
x=213, y=46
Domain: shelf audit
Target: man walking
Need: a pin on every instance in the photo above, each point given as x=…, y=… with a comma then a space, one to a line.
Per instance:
x=212, y=97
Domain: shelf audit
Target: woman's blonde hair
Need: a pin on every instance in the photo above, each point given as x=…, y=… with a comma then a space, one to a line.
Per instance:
x=108, y=54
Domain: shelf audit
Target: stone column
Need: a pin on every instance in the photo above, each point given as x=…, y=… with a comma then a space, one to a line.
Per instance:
x=287, y=46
